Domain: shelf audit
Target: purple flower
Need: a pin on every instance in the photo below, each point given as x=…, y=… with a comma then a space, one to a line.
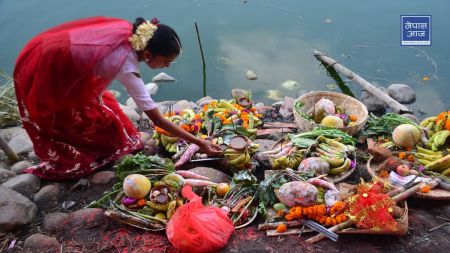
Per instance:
x=352, y=164
x=126, y=201
x=420, y=168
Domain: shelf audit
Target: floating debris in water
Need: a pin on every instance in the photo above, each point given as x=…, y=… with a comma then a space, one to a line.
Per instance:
x=152, y=88
x=224, y=60
x=328, y=20
x=332, y=86
x=250, y=75
x=289, y=84
x=163, y=77
x=274, y=94
x=425, y=78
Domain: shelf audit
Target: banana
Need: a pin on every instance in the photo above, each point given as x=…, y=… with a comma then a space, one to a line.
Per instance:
x=438, y=164
x=438, y=127
x=431, y=140
x=425, y=121
x=341, y=168
x=237, y=160
x=163, y=140
x=446, y=172
x=427, y=151
x=423, y=161
x=428, y=157
x=430, y=126
x=171, y=208
x=231, y=151
x=232, y=156
x=329, y=149
x=335, y=144
x=441, y=138
x=334, y=162
x=245, y=161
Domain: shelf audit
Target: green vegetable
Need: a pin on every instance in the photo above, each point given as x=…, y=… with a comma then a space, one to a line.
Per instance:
x=145, y=165
x=385, y=125
x=298, y=106
x=328, y=132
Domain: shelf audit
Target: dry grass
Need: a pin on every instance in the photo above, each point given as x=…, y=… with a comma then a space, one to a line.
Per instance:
x=9, y=114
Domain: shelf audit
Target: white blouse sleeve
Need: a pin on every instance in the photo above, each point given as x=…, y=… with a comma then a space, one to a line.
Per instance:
x=134, y=85
x=136, y=89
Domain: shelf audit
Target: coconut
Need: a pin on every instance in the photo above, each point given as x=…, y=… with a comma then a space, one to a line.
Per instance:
x=406, y=135
x=136, y=186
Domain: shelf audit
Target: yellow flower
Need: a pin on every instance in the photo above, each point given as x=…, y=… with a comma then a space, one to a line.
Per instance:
x=143, y=34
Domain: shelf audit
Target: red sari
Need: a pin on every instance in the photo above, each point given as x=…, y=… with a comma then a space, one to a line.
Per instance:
x=60, y=80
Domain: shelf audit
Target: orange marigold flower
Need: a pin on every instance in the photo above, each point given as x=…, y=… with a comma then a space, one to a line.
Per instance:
x=425, y=189
x=281, y=228
x=288, y=217
x=411, y=158
x=402, y=155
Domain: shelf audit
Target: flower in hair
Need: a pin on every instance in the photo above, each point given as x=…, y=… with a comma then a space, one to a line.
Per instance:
x=144, y=32
x=155, y=21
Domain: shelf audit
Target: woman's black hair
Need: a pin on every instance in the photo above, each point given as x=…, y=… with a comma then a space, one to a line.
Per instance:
x=165, y=40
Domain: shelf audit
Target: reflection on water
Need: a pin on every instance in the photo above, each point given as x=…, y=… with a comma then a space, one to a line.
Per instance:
x=273, y=38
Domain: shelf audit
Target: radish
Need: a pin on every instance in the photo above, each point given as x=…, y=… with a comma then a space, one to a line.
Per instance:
x=190, y=174
x=187, y=155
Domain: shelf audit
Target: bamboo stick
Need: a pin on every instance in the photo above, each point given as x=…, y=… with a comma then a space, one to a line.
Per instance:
x=328, y=62
x=203, y=59
x=335, y=228
x=8, y=151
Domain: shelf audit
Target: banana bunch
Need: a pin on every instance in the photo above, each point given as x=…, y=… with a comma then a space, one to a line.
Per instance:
x=434, y=160
x=169, y=143
x=291, y=160
x=435, y=124
x=241, y=159
x=335, y=153
x=438, y=140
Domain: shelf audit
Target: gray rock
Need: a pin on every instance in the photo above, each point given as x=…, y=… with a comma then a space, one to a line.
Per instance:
x=130, y=112
x=264, y=109
x=194, y=106
x=55, y=222
x=250, y=75
x=21, y=144
x=286, y=109
x=130, y=102
x=277, y=105
x=240, y=93
x=19, y=167
x=371, y=102
x=103, y=177
x=5, y=175
x=41, y=243
x=48, y=192
x=85, y=218
x=32, y=156
x=259, y=104
x=264, y=144
x=402, y=93
x=15, y=210
x=4, y=165
x=181, y=105
x=26, y=184
x=8, y=133
x=163, y=77
x=204, y=101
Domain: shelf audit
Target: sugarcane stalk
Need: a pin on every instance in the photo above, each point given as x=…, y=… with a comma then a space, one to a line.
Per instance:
x=132, y=219
x=203, y=58
x=273, y=225
x=8, y=151
x=330, y=62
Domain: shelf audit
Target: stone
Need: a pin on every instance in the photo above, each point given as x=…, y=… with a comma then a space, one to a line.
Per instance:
x=163, y=77
x=264, y=144
x=130, y=112
x=181, y=105
x=264, y=109
x=145, y=137
x=15, y=210
x=8, y=133
x=250, y=75
x=54, y=222
x=41, y=243
x=32, y=156
x=85, y=218
x=411, y=117
x=5, y=175
x=103, y=177
x=4, y=165
x=277, y=105
x=26, y=184
x=372, y=103
x=19, y=167
x=21, y=144
x=130, y=103
x=259, y=104
x=48, y=193
x=402, y=93
x=240, y=93
x=204, y=101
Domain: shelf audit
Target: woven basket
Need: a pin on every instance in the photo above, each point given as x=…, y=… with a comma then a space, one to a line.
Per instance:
x=349, y=104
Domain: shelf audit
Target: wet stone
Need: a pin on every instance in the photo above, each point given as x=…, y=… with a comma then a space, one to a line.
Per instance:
x=41, y=243
x=372, y=103
x=19, y=167
x=402, y=93
x=26, y=184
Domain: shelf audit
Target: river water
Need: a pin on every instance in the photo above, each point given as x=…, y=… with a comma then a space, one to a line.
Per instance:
x=273, y=38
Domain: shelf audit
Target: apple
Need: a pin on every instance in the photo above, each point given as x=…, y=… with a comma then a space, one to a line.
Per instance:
x=402, y=170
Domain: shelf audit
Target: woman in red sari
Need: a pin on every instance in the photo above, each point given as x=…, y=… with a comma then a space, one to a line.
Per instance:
x=61, y=77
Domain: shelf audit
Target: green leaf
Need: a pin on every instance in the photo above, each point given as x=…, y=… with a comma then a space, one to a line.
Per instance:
x=303, y=142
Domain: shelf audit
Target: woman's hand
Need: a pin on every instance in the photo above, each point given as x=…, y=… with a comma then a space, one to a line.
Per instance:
x=209, y=148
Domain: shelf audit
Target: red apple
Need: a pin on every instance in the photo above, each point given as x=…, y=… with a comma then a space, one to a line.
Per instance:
x=402, y=170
